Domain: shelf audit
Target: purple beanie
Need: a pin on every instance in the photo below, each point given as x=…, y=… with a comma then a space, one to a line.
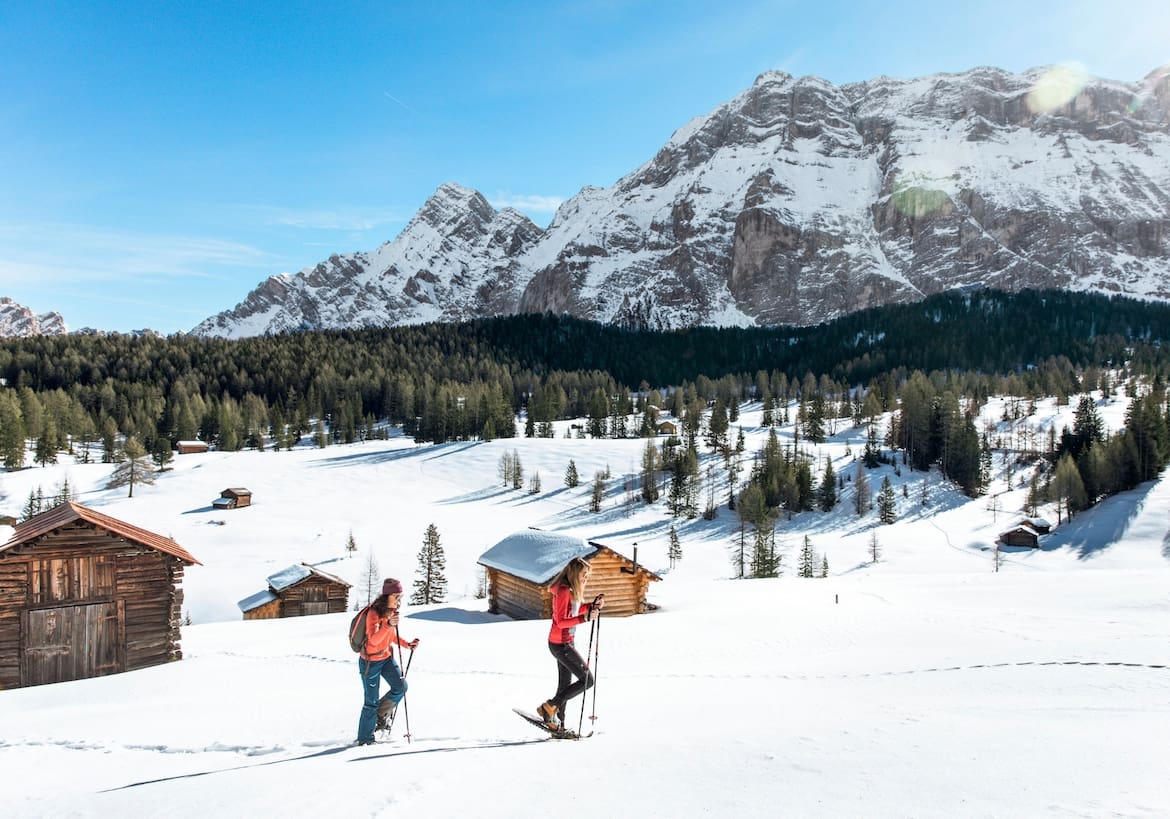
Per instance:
x=391, y=586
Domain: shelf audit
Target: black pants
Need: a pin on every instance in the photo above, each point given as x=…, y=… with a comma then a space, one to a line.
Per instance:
x=569, y=664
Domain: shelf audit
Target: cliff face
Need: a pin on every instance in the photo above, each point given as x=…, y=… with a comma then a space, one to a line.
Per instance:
x=795, y=202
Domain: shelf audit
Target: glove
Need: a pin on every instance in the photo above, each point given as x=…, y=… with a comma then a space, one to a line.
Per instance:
x=414, y=644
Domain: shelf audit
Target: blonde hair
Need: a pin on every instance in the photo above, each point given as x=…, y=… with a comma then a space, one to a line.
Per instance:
x=573, y=577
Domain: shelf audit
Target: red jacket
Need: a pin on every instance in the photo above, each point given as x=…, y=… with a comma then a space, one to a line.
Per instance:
x=567, y=614
x=379, y=636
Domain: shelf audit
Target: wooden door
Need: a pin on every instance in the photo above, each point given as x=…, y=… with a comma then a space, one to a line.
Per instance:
x=315, y=601
x=71, y=643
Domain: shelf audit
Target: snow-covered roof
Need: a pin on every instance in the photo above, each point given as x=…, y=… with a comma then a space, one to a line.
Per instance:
x=295, y=574
x=1022, y=527
x=256, y=600
x=287, y=577
x=534, y=555
x=1039, y=523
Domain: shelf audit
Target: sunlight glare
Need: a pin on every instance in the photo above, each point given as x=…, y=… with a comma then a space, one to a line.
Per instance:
x=1057, y=87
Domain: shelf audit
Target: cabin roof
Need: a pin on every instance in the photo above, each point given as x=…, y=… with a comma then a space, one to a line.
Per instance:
x=255, y=601
x=296, y=573
x=1021, y=527
x=535, y=555
x=237, y=491
x=68, y=512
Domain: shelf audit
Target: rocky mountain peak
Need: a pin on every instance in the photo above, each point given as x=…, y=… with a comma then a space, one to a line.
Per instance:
x=18, y=321
x=795, y=202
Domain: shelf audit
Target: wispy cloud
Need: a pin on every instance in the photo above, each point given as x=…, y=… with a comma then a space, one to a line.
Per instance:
x=347, y=219
x=56, y=254
x=528, y=203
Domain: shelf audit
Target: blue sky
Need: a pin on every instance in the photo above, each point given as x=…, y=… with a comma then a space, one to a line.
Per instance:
x=159, y=160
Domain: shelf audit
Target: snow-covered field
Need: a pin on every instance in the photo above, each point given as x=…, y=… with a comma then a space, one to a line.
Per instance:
x=925, y=685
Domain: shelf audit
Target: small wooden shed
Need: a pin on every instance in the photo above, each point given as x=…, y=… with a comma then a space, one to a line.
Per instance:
x=188, y=447
x=667, y=428
x=83, y=594
x=297, y=591
x=521, y=566
x=233, y=498
x=1021, y=534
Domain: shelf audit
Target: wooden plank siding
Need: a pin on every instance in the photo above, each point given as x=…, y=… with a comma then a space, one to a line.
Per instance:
x=313, y=595
x=79, y=601
x=268, y=611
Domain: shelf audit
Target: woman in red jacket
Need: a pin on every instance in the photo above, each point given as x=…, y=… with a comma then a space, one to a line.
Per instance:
x=568, y=612
x=376, y=662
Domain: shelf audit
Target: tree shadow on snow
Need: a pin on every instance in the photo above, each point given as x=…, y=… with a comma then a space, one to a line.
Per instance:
x=1097, y=529
x=451, y=614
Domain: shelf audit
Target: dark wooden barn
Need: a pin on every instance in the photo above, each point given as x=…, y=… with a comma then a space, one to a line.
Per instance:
x=297, y=591
x=190, y=447
x=1021, y=535
x=233, y=498
x=83, y=594
x=521, y=566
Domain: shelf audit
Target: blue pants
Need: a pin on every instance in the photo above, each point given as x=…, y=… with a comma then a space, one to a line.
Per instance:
x=371, y=672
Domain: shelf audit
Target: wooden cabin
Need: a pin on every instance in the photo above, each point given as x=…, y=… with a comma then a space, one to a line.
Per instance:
x=667, y=428
x=233, y=498
x=521, y=566
x=83, y=594
x=188, y=447
x=1041, y=526
x=297, y=591
x=1021, y=535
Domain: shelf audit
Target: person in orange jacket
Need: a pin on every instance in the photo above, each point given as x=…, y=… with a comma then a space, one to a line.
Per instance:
x=376, y=662
x=568, y=612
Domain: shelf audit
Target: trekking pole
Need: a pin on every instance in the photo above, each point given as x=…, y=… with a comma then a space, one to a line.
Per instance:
x=596, y=665
x=588, y=656
x=405, y=712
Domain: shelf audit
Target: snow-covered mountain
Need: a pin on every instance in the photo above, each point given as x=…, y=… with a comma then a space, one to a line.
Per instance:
x=793, y=203
x=17, y=321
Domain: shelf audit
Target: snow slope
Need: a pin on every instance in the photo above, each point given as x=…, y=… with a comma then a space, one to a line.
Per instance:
x=924, y=685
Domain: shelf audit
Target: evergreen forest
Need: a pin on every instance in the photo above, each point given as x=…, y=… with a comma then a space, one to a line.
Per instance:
x=933, y=362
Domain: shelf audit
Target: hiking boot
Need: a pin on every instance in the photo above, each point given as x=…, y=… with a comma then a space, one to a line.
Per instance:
x=548, y=712
x=386, y=710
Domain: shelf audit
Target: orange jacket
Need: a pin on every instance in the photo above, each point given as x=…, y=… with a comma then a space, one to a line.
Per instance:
x=380, y=635
x=566, y=615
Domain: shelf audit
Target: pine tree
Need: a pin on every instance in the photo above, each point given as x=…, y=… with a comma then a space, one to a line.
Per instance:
x=827, y=496
x=887, y=502
x=674, y=552
x=875, y=548
x=350, y=545
x=431, y=586
x=650, y=473
x=534, y=483
x=824, y=566
x=571, y=477
x=808, y=559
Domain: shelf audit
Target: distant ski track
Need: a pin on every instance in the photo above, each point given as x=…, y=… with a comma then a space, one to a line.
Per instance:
x=746, y=675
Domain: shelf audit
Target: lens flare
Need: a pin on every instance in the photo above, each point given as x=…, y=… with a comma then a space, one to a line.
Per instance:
x=1058, y=86
x=922, y=190
x=1149, y=88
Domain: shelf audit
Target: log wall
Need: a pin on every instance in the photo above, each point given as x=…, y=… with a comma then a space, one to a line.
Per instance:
x=82, y=565
x=314, y=595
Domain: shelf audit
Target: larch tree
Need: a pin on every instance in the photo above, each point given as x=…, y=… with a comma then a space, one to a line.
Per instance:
x=134, y=467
